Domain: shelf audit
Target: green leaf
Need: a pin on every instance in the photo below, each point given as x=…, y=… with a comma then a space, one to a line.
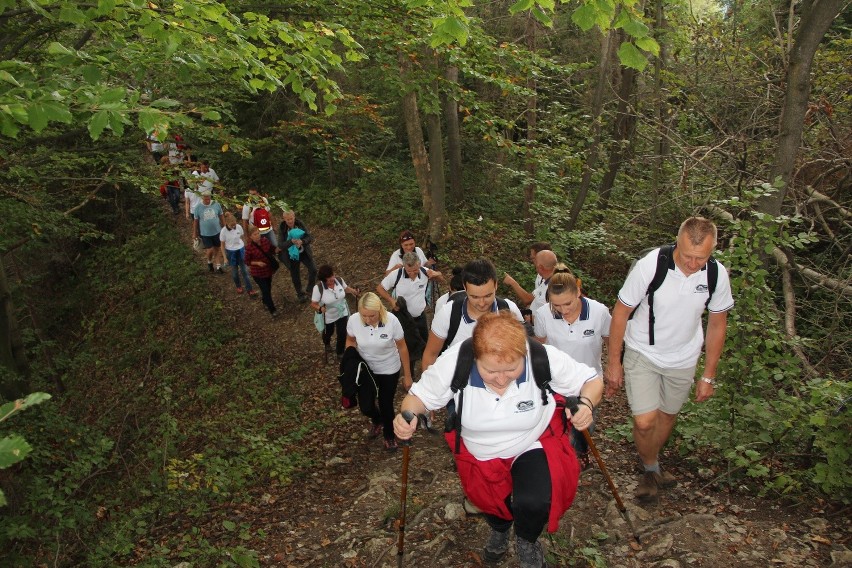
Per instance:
x=648, y=44
x=8, y=127
x=9, y=78
x=12, y=450
x=56, y=48
x=165, y=103
x=330, y=109
x=211, y=115
x=229, y=525
x=585, y=17
x=70, y=13
x=37, y=117
x=634, y=27
x=521, y=6
x=97, y=123
x=632, y=57
x=113, y=95
x=116, y=123
x=92, y=74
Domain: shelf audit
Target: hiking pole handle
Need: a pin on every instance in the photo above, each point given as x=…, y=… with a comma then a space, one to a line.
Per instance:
x=408, y=416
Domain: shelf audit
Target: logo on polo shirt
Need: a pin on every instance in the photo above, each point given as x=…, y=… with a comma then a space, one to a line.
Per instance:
x=588, y=333
x=383, y=336
x=701, y=289
x=525, y=406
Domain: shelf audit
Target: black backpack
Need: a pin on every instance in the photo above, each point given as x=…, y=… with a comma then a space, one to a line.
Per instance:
x=457, y=299
x=664, y=257
x=401, y=271
x=464, y=364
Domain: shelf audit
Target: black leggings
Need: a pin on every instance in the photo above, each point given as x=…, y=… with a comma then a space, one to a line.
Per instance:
x=384, y=413
x=265, y=285
x=340, y=326
x=530, y=498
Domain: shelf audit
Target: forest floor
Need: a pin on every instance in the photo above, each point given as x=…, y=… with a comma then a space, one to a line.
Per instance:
x=342, y=509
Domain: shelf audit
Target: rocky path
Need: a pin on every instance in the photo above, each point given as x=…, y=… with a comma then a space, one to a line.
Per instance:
x=342, y=511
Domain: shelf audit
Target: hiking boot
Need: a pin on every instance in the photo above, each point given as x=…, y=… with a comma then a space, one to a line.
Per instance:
x=390, y=444
x=666, y=480
x=219, y=269
x=648, y=485
x=530, y=554
x=375, y=431
x=496, y=547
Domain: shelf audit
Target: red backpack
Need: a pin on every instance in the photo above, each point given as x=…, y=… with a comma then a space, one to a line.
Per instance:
x=261, y=220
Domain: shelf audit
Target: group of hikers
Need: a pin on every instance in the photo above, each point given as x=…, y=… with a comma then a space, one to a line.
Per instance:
x=502, y=373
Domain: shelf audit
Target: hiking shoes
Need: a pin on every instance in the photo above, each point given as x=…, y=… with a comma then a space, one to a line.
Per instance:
x=375, y=431
x=219, y=269
x=648, y=486
x=390, y=444
x=666, y=480
x=496, y=546
x=530, y=554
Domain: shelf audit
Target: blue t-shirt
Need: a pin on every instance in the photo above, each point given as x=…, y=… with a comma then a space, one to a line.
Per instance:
x=208, y=218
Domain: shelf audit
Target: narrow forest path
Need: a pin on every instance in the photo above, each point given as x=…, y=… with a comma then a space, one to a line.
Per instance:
x=341, y=511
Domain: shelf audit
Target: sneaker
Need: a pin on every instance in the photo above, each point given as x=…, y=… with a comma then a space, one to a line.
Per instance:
x=252, y=293
x=375, y=431
x=219, y=269
x=666, y=480
x=239, y=290
x=530, y=554
x=347, y=402
x=390, y=444
x=496, y=547
x=648, y=485
x=470, y=508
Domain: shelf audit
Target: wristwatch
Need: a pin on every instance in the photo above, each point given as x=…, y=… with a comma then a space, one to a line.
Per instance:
x=709, y=380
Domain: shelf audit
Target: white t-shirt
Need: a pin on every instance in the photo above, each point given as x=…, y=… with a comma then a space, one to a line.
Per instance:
x=507, y=425
x=539, y=293
x=678, y=306
x=414, y=291
x=208, y=178
x=334, y=300
x=396, y=258
x=441, y=321
x=233, y=238
x=193, y=198
x=377, y=345
x=583, y=339
x=441, y=302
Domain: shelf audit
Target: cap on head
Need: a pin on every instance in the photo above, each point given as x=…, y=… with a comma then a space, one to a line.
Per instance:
x=406, y=235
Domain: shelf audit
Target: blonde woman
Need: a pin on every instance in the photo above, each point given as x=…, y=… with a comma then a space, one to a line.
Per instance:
x=377, y=336
x=234, y=252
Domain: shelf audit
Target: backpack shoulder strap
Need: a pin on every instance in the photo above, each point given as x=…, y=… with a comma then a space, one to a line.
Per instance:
x=712, y=278
x=502, y=304
x=461, y=376
x=455, y=317
x=424, y=271
x=663, y=257
x=398, y=278
x=540, y=368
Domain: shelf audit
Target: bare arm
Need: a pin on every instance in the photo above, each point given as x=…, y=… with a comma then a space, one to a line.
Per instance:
x=614, y=371
x=380, y=290
x=592, y=392
x=435, y=275
x=717, y=328
x=406, y=364
x=401, y=428
x=430, y=353
x=523, y=296
x=351, y=342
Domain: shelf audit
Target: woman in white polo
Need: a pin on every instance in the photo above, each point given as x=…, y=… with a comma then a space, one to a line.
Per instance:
x=380, y=341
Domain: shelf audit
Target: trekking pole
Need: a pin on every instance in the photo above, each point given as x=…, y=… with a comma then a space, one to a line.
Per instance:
x=406, y=449
x=572, y=403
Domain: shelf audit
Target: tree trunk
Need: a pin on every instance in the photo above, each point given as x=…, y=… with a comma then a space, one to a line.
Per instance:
x=817, y=16
x=660, y=110
x=594, y=148
x=623, y=129
x=13, y=358
x=413, y=128
x=437, y=211
x=454, y=153
x=532, y=165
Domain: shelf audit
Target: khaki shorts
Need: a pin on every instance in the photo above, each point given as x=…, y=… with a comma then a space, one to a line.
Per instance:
x=650, y=387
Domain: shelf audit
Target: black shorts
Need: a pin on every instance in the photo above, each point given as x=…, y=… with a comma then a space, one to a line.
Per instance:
x=210, y=242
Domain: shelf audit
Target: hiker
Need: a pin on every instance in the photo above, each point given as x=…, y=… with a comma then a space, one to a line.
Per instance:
x=208, y=223
x=410, y=282
x=407, y=244
x=545, y=263
x=260, y=258
x=523, y=296
x=659, y=360
x=256, y=211
x=511, y=446
x=207, y=177
x=296, y=250
x=575, y=325
x=456, y=285
x=329, y=297
x=234, y=251
x=479, y=281
x=378, y=338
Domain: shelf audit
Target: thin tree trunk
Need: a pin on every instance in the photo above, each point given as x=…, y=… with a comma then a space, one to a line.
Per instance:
x=623, y=129
x=14, y=381
x=532, y=165
x=594, y=148
x=454, y=153
x=660, y=110
x=437, y=210
x=817, y=16
x=411, y=115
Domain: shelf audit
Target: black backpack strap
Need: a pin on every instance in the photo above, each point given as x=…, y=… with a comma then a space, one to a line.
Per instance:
x=457, y=299
x=461, y=376
x=398, y=278
x=540, y=368
x=663, y=257
x=712, y=278
x=424, y=271
x=502, y=304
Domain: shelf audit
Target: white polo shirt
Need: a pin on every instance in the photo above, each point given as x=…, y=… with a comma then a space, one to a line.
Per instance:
x=583, y=339
x=414, y=291
x=232, y=238
x=507, y=425
x=334, y=300
x=539, y=293
x=678, y=306
x=441, y=321
x=377, y=345
x=396, y=258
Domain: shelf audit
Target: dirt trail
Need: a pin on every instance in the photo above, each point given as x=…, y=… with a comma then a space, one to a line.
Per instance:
x=342, y=512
